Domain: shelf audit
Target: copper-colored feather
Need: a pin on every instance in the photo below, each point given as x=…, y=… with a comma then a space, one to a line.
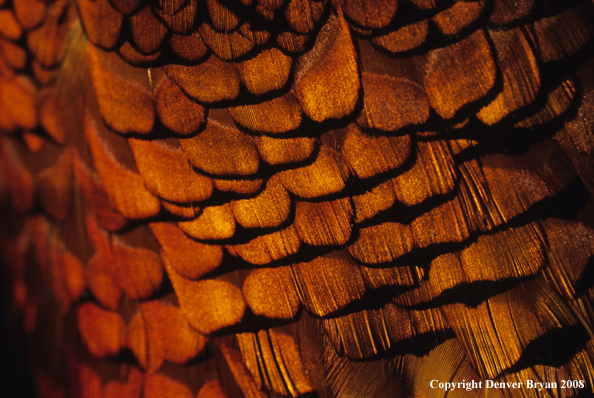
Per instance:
x=284, y=198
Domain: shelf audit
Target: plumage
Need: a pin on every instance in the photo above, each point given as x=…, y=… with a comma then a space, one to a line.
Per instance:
x=285, y=198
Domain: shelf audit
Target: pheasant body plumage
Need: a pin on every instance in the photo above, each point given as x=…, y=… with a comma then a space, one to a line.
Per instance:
x=346, y=198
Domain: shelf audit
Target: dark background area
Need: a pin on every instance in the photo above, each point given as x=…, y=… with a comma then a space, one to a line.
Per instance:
x=16, y=380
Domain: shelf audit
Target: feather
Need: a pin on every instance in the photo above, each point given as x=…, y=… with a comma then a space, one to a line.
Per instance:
x=286, y=198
